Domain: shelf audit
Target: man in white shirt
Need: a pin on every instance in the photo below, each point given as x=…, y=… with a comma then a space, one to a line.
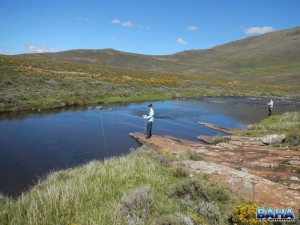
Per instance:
x=270, y=105
x=150, y=118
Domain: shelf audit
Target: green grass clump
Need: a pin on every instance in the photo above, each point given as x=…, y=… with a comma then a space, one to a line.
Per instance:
x=280, y=123
x=292, y=138
x=193, y=155
x=219, y=139
x=133, y=189
x=287, y=123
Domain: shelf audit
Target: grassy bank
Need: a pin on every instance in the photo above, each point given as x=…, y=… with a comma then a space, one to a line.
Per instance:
x=138, y=188
x=287, y=123
x=30, y=83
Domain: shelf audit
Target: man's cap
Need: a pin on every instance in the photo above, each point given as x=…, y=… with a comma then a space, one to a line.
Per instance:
x=150, y=105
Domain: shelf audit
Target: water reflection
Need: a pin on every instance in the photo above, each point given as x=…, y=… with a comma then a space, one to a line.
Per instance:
x=34, y=143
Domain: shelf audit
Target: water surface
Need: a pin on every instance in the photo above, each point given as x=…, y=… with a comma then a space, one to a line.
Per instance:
x=34, y=143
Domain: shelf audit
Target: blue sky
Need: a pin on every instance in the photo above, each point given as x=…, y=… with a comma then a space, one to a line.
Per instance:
x=154, y=27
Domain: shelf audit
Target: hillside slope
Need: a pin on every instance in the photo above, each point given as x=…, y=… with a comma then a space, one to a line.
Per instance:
x=272, y=58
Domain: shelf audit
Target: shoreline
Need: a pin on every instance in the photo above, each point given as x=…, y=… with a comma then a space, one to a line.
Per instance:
x=143, y=98
x=178, y=157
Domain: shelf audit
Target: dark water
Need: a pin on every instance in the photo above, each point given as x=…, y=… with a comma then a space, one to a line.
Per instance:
x=34, y=143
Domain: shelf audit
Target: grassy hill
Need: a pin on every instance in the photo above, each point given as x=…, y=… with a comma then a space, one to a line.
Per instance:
x=265, y=65
x=271, y=58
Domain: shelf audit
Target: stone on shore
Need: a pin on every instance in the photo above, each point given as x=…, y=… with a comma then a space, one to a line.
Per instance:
x=206, y=139
x=99, y=107
x=219, y=128
x=273, y=139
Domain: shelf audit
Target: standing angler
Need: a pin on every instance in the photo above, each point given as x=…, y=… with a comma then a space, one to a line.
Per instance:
x=150, y=118
x=270, y=106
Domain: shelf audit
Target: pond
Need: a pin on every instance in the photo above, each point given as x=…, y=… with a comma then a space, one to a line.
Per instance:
x=32, y=144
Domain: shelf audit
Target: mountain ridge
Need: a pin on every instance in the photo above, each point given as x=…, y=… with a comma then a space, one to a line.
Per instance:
x=275, y=54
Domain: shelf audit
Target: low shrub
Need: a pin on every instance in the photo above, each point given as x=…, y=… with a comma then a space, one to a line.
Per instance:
x=210, y=211
x=191, y=188
x=219, y=194
x=219, y=139
x=245, y=214
x=185, y=220
x=7, y=82
x=135, y=205
x=195, y=156
x=180, y=172
x=168, y=220
x=292, y=138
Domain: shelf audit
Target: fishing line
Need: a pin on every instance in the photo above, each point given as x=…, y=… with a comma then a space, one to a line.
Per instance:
x=83, y=153
x=144, y=126
x=103, y=130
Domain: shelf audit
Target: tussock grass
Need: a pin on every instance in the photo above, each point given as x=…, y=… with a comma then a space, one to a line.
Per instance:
x=85, y=195
x=126, y=190
x=278, y=123
x=287, y=123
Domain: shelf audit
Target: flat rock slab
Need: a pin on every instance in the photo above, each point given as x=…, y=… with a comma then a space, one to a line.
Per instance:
x=206, y=139
x=247, y=185
x=166, y=142
x=219, y=128
x=241, y=166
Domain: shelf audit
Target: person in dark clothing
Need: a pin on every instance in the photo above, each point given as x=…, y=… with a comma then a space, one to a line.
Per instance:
x=149, y=118
x=270, y=106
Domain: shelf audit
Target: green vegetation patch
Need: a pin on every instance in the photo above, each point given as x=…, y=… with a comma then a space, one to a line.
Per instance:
x=287, y=123
x=33, y=83
x=133, y=189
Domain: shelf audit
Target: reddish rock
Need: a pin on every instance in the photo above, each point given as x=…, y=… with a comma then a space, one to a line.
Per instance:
x=241, y=167
x=219, y=128
x=206, y=139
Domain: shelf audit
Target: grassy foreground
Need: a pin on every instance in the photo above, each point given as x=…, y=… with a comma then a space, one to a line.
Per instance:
x=138, y=188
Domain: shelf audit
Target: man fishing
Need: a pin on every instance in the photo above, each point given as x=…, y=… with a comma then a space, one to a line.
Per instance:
x=150, y=118
x=270, y=106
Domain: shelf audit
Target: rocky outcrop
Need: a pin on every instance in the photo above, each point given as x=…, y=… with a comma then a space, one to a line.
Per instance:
x=268, y=139
x=247, y=185
x=219, y=128
x=206, y=139
x=243, y=165
x=273, y=139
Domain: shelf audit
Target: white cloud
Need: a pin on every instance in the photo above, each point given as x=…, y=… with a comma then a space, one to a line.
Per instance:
x=127, y=24
x=181, y=41
x=192, y=28
x=116, y=21
x=32, y=48
x=258, y=30
x=124, y=24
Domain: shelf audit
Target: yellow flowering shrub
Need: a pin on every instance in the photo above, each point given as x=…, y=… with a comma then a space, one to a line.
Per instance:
x=166, y=152
x=245, y=214
x=198, y=219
